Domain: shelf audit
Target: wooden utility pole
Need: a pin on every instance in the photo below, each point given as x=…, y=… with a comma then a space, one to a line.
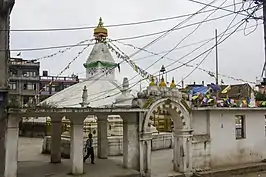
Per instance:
x=5, y=9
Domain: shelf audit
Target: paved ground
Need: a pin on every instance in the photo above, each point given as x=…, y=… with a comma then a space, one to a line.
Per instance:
x=34, y=164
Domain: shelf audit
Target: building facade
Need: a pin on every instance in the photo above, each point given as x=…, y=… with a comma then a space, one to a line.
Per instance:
x=24, y=81
x=26, y=84
x=58, y=84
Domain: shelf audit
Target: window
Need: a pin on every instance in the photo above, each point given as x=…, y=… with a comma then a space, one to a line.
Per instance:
x=29, y=86
x=12, y=86
x=29, y=73
x=240, y=126
x=13, y=72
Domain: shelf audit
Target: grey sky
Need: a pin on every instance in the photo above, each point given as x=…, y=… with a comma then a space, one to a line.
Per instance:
x=240, y=56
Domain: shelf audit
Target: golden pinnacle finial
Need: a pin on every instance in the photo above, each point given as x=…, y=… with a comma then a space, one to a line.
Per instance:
x=100, y=24
x=100, y=33
x=162, y=83
x=152, y=83
x=173, y=85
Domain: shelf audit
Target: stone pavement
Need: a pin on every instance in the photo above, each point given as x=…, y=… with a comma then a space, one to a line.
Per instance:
x=34, y=164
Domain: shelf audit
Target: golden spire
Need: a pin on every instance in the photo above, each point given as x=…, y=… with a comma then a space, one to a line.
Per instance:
x=162, y=83
x=173, y=85
x=100, y=32
x=152, y=83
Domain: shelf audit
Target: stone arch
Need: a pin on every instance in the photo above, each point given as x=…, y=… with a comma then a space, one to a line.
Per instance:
x=179, y=110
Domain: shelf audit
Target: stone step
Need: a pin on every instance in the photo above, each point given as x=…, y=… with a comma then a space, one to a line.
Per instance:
x=234, y=170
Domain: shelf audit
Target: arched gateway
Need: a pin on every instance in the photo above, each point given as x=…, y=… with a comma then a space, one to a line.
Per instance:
x=180, y=113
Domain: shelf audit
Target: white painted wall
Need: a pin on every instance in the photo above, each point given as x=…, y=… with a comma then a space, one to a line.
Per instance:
x=199, y=122
x=226, y=149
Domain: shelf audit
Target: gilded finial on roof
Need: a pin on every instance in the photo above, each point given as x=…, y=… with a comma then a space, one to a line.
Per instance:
x=162, y=83
x=152, y=83
x=100, y=32
x=100, y=24
x=173, y=85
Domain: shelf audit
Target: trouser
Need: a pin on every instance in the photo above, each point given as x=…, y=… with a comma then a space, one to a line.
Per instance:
x=90, y=152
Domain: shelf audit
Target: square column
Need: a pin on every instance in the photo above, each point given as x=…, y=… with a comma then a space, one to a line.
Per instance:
x=145, y=154
x=182, y=151
x=11, y=158
x=131, y=146
x=102, y=139
x=56, y=130
x=76, y=146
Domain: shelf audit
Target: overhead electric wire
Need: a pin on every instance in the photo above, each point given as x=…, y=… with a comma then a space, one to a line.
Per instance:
x=181, y=40
x=202, y=3
x=158, y=38
x=184, y=64
x=168, y=71
x=218, y=41
x=182, y=27
x=120, y=39
x=114, y=25
x=181, y=47
x=45, y=48
x=228, y=27
x=97, y=98
x=64, y=69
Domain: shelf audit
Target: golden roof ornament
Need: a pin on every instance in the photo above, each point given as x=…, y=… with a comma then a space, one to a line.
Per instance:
x=100, y=32
x=173, y=85
x=152, y=83
x=162, y=83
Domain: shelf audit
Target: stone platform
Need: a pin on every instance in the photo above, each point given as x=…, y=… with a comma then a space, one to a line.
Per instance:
x=34, y=164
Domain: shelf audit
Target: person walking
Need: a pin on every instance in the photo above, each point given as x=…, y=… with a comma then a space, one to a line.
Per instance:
x=89, y=149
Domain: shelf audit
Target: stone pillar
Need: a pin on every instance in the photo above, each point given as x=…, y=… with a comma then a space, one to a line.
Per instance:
x=182, y=151
x=76, y=146
x=102, y=141
x=56, y=130
x=131, y=154
x=145, y=154
x=11, y=158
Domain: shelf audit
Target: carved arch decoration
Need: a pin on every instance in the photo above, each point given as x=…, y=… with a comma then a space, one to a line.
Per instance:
x=178, y=109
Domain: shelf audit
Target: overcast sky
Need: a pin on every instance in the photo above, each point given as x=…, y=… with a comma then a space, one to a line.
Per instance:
x=240, y=56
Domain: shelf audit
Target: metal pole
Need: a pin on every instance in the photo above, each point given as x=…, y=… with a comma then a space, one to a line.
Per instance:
x=216, y=56
x=264, y=22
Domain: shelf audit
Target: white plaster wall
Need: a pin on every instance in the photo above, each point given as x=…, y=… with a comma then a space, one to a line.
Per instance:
x=226, y=149
x=162, y=141
x=199, y=122
x=201, y=155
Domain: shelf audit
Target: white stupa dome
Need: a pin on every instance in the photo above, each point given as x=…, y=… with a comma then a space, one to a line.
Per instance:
x=102, y=88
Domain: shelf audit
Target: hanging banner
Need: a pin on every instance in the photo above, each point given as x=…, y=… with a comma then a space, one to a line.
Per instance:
x=136, y=68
